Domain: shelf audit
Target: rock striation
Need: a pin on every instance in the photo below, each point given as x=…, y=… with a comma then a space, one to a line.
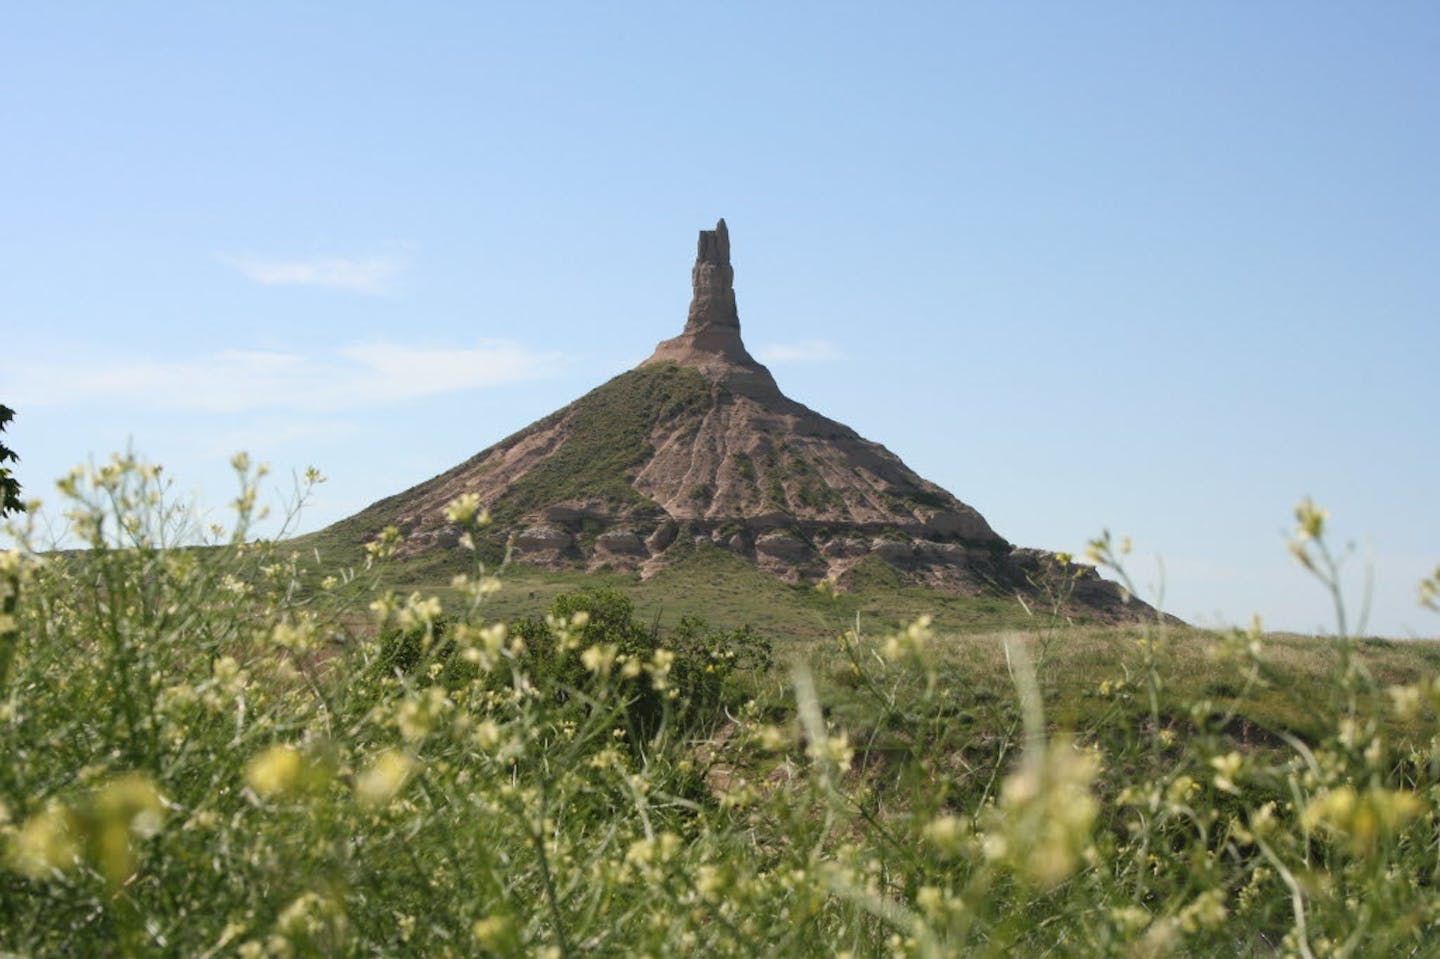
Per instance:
x=698, y=444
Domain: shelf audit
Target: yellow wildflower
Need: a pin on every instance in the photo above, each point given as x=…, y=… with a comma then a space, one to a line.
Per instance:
x=383, y=779
x=276, y=771
x=47, y=843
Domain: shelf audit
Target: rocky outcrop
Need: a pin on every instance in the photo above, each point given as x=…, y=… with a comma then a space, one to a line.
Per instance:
x=698, y=445
x=543, y=542
x=712, y=281
x=711, y=340
x=621, y=543
x=785, y=547
x=662, y=538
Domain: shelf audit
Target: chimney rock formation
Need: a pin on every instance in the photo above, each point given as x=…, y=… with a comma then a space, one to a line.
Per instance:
x=698, y=444
x=711, y=339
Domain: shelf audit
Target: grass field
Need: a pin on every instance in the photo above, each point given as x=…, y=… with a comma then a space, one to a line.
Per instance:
x=236, y=751
x=727, y=589
x=804, y=624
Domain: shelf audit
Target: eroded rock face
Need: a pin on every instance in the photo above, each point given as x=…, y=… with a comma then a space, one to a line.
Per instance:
x=698, y=445
x=713, y=283
x=845, y=547
x=544, y=541
x=622, y=542
x=785, y=547
x=711, y=340
x=664, y=535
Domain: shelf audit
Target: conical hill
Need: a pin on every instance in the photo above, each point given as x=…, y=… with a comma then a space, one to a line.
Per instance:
x=697, y=443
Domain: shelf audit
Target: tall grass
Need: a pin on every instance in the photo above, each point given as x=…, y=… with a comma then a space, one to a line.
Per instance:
x=215, y=751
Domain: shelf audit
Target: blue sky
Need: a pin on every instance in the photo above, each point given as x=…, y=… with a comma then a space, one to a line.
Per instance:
x=1158, y=267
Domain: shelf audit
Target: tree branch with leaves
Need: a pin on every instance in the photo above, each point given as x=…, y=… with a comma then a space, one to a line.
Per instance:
x=9, y=485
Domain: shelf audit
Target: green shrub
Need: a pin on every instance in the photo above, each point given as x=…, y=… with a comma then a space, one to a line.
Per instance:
x=701, y=665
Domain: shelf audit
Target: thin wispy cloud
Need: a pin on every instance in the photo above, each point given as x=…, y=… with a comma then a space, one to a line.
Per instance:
x=803, y=351
x=370, y=275
x=263, y=432
x=355, y=376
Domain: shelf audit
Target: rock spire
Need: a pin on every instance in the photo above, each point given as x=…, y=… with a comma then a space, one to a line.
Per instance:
x=713, y=281
x=711, y=340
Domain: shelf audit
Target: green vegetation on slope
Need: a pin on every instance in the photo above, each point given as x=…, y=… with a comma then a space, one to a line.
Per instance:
x=608, y=436
x=729, y=590
x=609, y=431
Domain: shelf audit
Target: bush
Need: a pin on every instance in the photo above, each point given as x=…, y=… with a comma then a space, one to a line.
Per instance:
x=589, y=643
x=686, y=676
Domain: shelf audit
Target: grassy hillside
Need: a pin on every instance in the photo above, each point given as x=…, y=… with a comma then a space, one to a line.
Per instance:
x=607, y=435
x=609, y=432
x=727, y=589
